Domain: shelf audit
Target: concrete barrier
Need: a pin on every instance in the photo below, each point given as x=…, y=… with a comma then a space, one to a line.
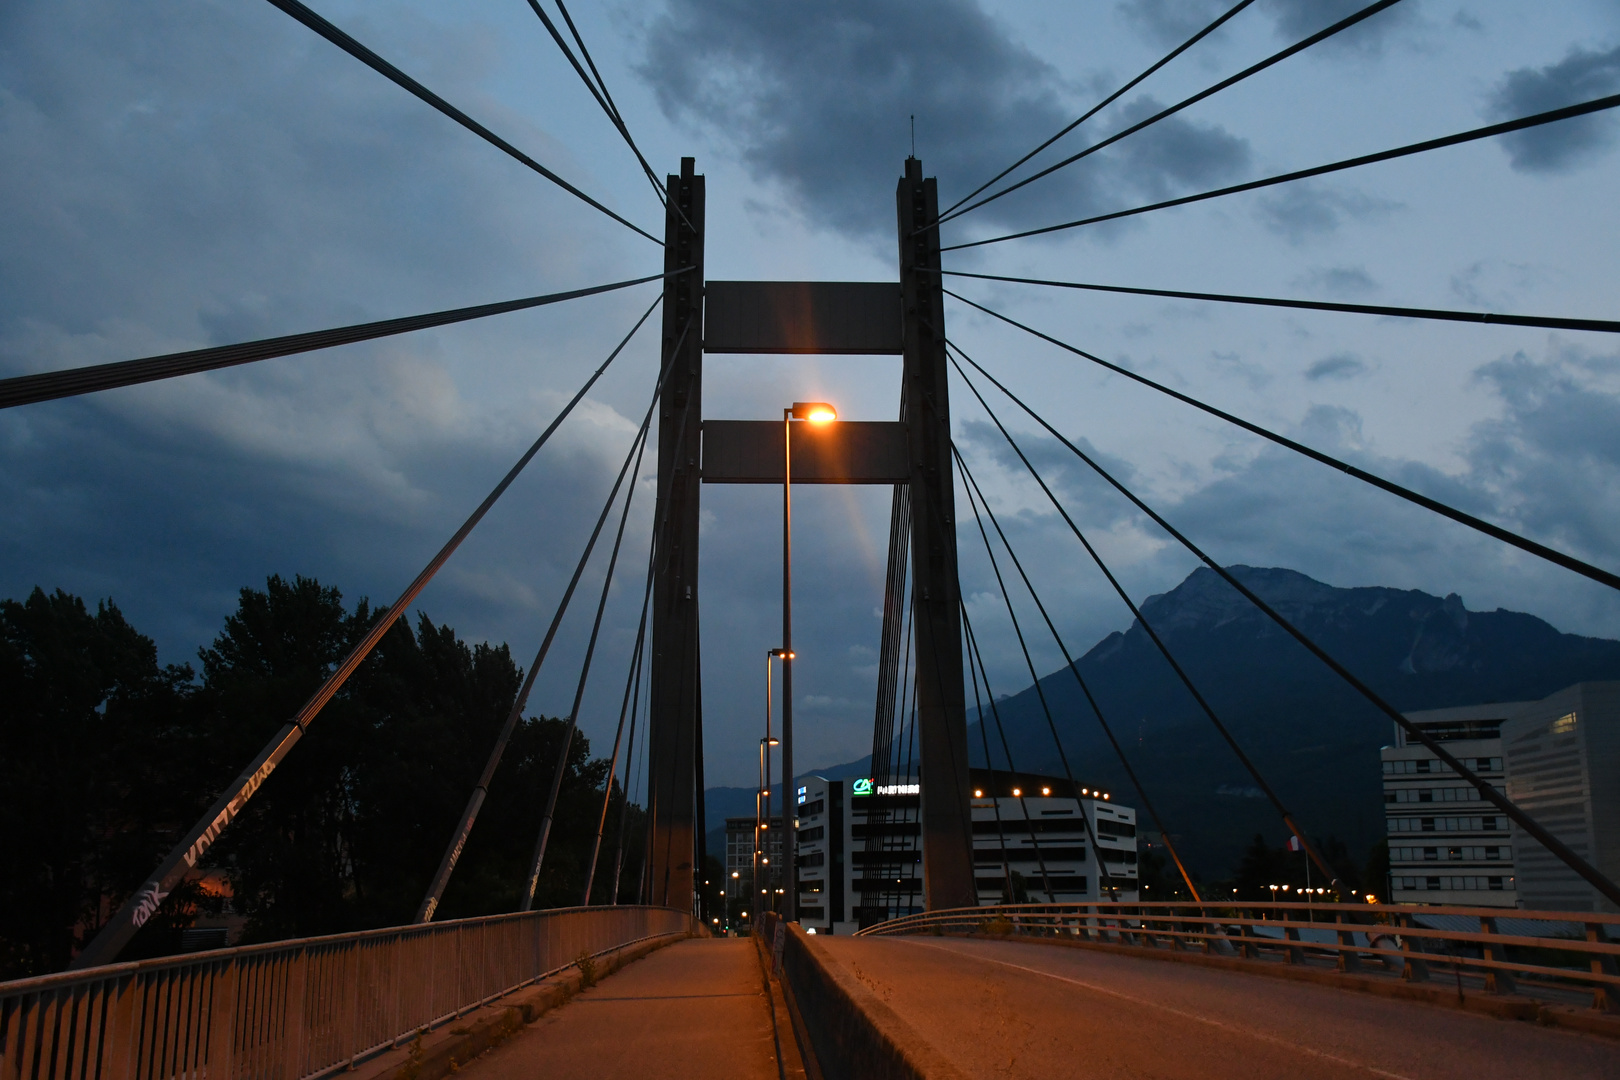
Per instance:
x=849, y=1030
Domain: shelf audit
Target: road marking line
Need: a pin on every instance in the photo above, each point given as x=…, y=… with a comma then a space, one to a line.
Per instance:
x=1249, y=1032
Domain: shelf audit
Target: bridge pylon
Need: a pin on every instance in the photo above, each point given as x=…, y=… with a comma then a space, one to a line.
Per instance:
x=946, y=817
x=673, y=719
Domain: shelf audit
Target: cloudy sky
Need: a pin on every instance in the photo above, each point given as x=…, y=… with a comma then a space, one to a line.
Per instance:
x=185, y=173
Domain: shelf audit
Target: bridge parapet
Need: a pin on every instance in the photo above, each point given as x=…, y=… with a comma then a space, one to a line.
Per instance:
x=295, y=1010
x=1546, y=954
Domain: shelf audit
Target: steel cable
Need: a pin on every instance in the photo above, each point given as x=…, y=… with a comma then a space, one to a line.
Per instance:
x=1147, y=627
x=603, y=98
x=637, y=450
x=1068, y=659
x=1275, y=58
x=1487, y=791
x=1006, y=750
x=618, y=733
x=337, y=37
x=49, y=385
x=1105, y=879
x=118, y=930
x=1496, y=532
x=1606, y=326
x=1507, y=127
x=1105, y=102
x=475, y=802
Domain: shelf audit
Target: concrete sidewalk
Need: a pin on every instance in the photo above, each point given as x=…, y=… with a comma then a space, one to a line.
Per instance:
x=695, y=1009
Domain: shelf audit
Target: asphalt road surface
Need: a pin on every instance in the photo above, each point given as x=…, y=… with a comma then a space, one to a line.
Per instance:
x=1006, y=1009
x=695, y=1009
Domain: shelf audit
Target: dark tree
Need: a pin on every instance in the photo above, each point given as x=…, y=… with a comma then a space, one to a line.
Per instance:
x=94, y=766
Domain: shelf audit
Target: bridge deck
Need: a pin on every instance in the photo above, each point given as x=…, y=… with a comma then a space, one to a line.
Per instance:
x=696, y=1009
x=1007, y=1009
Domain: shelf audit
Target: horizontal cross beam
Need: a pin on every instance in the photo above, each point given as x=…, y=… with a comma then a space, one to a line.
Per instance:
x=846, y=452
x=828, y=317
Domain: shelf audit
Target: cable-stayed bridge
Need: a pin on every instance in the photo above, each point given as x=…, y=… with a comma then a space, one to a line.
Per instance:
x=906, y=996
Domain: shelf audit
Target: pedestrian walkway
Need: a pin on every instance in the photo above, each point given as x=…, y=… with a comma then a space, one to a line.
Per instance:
x=696, y=1009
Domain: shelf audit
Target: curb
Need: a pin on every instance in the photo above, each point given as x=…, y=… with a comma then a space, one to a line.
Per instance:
x=793, y=1059
x=852, y=1032
x=1501, y=1006
x=436, y=1054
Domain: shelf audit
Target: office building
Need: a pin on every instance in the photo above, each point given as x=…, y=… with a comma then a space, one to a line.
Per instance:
x=741, y=891
x=1447, y=845
x=1563, y=768
x=860, y=858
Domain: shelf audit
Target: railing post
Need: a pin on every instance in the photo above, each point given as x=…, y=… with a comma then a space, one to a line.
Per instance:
x=1603, y=999
x=1413, y=967
x=1296, y=955
x=1497, y=981
x=1349, y=959
x=221, y=1021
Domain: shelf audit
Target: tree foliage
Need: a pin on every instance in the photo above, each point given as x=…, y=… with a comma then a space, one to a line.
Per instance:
x=105, y=759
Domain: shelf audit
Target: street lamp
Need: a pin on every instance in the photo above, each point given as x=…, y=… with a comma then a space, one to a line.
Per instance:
x=812, y=412
x=763, y=793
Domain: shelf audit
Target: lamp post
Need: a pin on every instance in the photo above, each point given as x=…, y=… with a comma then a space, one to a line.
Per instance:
x=762, y=822
x=814, y=412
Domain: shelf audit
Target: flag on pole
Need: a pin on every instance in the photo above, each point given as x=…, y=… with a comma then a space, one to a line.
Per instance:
x=1295, y=844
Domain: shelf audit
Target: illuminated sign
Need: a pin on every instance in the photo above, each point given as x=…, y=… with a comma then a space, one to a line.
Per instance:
x=864, y=786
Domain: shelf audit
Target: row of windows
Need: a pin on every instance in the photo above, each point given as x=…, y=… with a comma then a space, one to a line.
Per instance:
x=993, y=856
x=1464, y=883
x=1439, y=794
x=1060, y=883
x=1448, y=824
x=812, y=809
x=1435, y=765
x=1429, y=854
x=816, y=833
x=992, y=827
x=1115, y=828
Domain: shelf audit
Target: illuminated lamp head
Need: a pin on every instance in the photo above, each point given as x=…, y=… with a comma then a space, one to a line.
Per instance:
x=817, y=412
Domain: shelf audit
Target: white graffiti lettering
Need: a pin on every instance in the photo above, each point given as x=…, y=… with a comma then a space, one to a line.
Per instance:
x=227, y=815
x=151, y=896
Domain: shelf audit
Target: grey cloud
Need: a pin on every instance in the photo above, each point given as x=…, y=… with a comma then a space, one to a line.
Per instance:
x=1338, y=281
x=1177, y=152
x=1306, y=210
x=1170, y=22
x=1297, y=19
x=778, y=82
x=1568, y=144
x=1337, y=366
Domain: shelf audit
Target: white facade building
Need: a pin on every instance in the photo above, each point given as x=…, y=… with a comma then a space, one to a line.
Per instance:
x=1563, y=769
x=1447, y=845
x=860, y=859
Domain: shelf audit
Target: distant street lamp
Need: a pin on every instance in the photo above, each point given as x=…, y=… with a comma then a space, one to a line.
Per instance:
x=762, y=794
x=813, y=412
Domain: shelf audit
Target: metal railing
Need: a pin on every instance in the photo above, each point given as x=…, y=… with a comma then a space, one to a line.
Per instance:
x=293, y=1010
x=1549, y=954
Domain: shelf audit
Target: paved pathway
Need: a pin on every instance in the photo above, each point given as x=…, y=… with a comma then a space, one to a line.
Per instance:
x=695, y=1009
x=1005, y=1009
